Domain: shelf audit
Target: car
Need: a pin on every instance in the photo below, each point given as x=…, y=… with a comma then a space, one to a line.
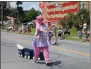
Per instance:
x=31, y=24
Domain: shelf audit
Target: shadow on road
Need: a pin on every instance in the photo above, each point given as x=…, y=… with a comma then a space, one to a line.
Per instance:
x=56, y=63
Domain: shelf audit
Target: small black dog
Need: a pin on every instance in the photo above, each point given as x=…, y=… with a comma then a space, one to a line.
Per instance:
x=28, y=53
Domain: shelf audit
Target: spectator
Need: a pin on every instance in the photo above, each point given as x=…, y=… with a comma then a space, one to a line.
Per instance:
x=80, y=34
x=80, y=31
x=84, y=27
x=28, y=29
x=66, y=32
x=60, y=33
x=86, y=36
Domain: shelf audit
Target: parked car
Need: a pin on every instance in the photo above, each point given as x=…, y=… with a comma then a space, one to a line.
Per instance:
x=31, y=24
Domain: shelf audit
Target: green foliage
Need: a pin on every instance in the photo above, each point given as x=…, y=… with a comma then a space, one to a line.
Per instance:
x=26, y=16
x=19, y=3
x=31, y=15
x=78, y=18
x=13, y=12
x=20, y=12
x=4, y=3
x=62, y=22
x=70, y=20
x=84, y=15
x=5, y=10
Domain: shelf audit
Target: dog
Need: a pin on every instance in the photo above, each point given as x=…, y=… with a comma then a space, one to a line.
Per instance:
x=28, y=53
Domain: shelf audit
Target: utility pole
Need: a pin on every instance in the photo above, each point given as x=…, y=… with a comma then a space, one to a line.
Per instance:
x=2, y=14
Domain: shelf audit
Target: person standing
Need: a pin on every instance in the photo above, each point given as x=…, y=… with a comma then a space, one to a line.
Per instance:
x=60, y=33
x=85, y=27
x=85, y=31
x=41, y=42
x=80, y=32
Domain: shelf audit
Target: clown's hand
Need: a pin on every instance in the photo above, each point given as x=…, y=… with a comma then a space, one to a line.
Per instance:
x=44, y=30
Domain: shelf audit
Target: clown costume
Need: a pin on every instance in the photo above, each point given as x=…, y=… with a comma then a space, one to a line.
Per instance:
x=41, y=42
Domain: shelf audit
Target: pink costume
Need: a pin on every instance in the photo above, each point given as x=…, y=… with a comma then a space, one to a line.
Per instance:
x=41, y=42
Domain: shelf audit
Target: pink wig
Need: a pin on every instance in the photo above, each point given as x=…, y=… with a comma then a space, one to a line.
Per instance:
x=38, y=21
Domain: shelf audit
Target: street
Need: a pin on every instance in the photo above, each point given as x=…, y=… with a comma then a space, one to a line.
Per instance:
x=64, y=55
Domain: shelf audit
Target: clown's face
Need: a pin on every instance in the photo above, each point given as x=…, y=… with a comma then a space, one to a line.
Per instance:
x=40, y=20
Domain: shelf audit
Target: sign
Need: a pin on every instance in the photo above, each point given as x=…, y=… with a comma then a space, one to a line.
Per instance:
x=55, y=11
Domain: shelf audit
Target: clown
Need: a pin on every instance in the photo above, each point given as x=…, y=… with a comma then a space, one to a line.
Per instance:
x=41, y=42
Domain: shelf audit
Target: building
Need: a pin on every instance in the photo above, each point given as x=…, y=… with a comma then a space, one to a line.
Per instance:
x=53, y=11
x=8, y=5
x=83, y=5
x=5, y=4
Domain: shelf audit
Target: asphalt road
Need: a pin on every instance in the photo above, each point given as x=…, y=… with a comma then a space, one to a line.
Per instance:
x=64, y=55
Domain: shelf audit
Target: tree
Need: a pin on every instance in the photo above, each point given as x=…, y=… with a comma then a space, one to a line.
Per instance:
x=19, y=3
x=61, y=23
x=70, y=19
x=31, y=15
x=84, y=15
x=20, y=12
x=79, y=18
x=13, y=12
x=3, y=6
x=4, y=9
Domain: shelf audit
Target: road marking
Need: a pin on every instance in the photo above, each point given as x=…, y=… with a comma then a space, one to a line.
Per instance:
x=60, y=49
x=72, y=51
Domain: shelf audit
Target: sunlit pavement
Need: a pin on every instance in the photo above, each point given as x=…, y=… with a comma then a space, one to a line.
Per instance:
x=64, y=55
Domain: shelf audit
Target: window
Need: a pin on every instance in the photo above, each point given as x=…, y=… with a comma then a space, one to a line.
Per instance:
x=81, y=5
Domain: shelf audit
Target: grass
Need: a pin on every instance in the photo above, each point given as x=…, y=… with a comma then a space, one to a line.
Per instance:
x=73, y=32
x=74, y=35
x=72, y=38
x=33, y=31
